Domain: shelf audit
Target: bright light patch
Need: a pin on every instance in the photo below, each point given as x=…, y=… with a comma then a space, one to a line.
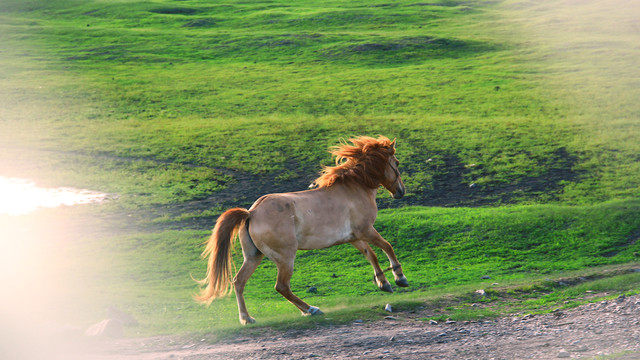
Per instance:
x=19, y=196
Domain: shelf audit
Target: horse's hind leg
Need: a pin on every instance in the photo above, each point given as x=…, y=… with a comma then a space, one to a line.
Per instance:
x=379, y=277
x=252, y=258
x=283, y=286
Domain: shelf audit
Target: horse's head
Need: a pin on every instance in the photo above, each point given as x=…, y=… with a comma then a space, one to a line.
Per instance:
x=368, y=162
x=392, y=181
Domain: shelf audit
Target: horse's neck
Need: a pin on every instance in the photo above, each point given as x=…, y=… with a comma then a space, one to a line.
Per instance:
x=359, y=193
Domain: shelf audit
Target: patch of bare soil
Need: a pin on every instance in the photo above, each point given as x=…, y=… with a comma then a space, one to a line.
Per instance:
x=606, y=328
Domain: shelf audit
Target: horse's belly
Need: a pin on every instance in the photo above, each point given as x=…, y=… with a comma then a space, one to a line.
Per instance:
x=321, y=237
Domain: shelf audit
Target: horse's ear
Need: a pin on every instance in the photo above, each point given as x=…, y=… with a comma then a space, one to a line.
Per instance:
x=392, y=147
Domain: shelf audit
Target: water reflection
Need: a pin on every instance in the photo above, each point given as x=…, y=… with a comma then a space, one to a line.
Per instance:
x=20, y=196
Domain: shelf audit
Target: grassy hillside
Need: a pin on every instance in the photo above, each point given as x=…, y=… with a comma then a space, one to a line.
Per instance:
x=443, y=251
x=179, y=91
x=517, y=124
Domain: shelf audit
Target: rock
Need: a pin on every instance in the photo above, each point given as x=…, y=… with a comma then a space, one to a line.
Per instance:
x=107, y=328
x=564, y=354
x=486, y=277
x=449, y=322
x=115, y=313
x=433, y=322
x=388, y=308
x=312, y=290
x=482, y=293
x=390, y=318
x=358, y=321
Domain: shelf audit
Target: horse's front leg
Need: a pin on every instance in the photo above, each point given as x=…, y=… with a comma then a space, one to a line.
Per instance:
x=376, y=239
x=379, y=277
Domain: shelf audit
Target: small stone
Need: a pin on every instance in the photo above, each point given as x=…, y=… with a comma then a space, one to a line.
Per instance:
x=388, y=308
x=486, y=277
x=482, y=293
x=115, y=313
x=449, y=322
x=433, y=322
x=390, y=318
x=107, y=328
x=564, y=354
x=358, y=321
x=312, y=290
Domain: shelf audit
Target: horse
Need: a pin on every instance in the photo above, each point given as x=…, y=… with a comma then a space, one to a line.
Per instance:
x=339, y=208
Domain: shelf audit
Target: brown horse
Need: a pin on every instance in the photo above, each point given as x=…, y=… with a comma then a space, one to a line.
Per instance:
x=340, y=209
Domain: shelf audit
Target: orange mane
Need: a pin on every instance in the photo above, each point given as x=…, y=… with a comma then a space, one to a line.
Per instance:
x=363, y=163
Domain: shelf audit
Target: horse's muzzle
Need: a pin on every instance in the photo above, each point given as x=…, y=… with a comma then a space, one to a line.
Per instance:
x=399, y=193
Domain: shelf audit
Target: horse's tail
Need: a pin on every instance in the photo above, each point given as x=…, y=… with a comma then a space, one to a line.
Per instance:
x=218, y=276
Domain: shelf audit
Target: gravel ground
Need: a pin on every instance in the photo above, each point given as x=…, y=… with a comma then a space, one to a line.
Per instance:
x=608, y=328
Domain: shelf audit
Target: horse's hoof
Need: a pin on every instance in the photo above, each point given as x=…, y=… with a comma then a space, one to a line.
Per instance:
x=402, y=282
x=313, y=311
x=248, y=320
x=386, y=287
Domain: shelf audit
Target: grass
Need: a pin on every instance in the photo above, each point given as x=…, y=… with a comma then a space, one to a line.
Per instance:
x=444, y=252
x=135, y=81
x=517, y=127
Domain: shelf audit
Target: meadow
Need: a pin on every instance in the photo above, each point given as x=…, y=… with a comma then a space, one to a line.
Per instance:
x=516, y=121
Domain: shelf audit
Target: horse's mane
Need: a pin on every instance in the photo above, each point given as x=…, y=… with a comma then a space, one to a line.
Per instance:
x=363, y=163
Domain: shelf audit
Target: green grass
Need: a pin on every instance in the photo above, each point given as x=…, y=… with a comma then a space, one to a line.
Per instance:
x=517, y=126
x=444, y=252
x=267, y=86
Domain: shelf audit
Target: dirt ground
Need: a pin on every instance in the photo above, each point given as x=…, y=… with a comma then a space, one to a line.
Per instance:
x=608, y=328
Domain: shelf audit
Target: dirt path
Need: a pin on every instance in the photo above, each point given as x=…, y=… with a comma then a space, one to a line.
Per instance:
x=606, y=328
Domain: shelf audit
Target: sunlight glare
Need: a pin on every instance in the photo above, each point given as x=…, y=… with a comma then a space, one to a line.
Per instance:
x=19, y=196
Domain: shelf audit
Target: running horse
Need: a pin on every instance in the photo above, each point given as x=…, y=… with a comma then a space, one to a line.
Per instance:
x=340, y=208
